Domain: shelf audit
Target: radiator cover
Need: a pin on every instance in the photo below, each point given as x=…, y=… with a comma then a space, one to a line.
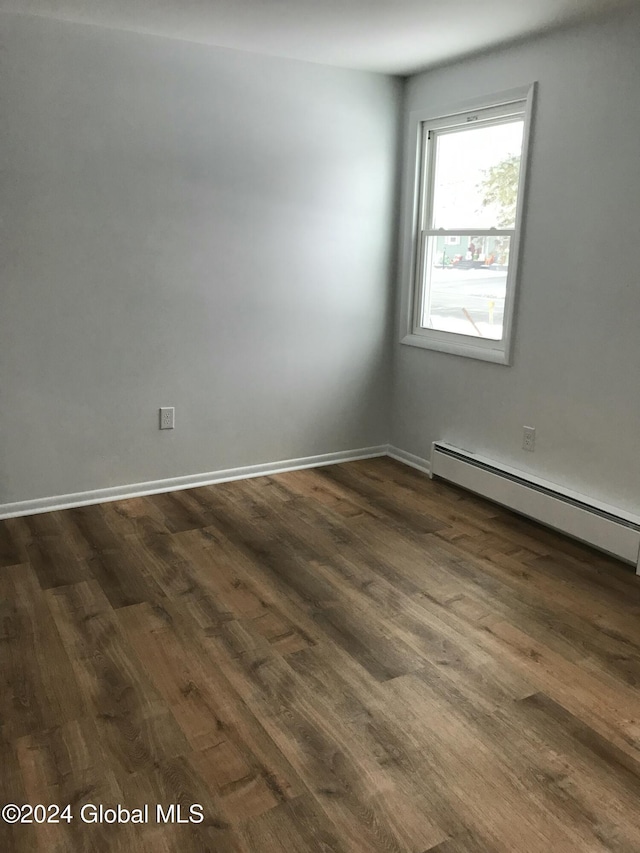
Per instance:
x=611, y=530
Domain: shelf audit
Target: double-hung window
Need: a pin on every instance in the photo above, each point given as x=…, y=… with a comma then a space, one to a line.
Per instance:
x=468, y=212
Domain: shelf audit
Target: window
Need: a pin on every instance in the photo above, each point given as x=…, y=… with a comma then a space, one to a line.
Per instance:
x=468, y=204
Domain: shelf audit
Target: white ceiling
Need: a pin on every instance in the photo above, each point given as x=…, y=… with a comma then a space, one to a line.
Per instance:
x=392, y=36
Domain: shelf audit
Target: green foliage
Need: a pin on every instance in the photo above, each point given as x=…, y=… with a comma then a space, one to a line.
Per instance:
x=500, y=189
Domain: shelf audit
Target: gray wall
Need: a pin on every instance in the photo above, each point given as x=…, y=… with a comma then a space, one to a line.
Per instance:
x=186, y=226
x=576, y=362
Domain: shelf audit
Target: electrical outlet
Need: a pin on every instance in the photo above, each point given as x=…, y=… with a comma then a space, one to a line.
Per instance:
x=529, y=438
x=167, y=417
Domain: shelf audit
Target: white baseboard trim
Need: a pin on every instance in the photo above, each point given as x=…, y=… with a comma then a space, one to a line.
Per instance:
x=409, y=459
x=154, y=487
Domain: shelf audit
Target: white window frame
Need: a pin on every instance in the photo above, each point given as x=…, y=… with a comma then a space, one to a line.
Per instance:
x=416, y=227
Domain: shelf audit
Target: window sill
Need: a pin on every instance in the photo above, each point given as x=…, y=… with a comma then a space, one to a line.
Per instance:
x=457, y=347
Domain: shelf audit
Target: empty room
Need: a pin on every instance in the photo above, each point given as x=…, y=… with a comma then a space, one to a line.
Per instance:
x=319, y=491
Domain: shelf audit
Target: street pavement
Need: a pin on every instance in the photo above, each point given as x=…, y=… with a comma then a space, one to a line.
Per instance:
x=475, y=289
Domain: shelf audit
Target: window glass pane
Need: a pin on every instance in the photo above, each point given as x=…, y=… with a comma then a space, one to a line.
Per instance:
x=476, y=176
x=465, y=285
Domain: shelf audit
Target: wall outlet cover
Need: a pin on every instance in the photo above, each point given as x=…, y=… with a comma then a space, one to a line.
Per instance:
x=167, y=417
x=529, y=438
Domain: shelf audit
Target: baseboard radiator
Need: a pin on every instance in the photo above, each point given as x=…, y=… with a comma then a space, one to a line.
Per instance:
x=609, y=529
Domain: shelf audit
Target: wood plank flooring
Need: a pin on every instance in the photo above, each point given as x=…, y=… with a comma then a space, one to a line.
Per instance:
x=349, y=659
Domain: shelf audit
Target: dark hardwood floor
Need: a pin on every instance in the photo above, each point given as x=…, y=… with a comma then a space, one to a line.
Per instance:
x=351, y=658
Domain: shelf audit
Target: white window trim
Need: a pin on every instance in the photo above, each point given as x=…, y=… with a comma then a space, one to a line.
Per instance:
x=498, y=352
